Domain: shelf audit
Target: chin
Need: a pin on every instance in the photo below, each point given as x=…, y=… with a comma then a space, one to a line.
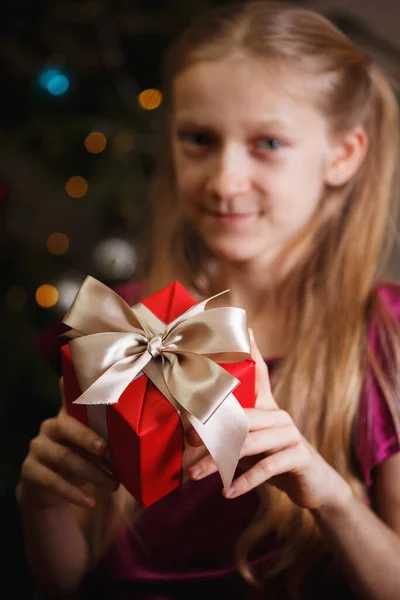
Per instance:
x=234, y=253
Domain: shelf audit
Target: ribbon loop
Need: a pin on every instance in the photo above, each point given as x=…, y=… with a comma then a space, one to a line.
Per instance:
x=188, y=376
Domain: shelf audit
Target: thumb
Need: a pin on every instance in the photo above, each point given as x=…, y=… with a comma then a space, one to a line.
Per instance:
x=264, y=397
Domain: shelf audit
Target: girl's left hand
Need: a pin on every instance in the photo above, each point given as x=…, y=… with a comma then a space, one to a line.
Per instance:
x=282, y=455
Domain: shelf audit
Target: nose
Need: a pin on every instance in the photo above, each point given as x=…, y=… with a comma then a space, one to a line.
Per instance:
x=230, y=174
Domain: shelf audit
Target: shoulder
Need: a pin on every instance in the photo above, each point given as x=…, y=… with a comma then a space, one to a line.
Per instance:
x=389, y=294
x=377, y=432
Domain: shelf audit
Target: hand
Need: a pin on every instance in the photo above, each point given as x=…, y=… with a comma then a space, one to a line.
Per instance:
x=64, y=460
x=281, y=455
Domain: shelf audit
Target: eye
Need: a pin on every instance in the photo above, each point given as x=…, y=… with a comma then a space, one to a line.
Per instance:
x=195, y=138
x=268, y=143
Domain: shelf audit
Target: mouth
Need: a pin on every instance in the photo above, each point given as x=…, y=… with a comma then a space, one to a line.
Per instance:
x=232, y=217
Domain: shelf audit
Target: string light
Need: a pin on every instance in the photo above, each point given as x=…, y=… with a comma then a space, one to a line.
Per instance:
x=16, y=297
x=57, y=243
x=95, y=142
x=150, y=99
x=47, y=295
x=76, y=186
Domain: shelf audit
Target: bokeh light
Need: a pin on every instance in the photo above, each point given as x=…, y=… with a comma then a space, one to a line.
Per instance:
x=115, y=258
x=150, y=99
x=67, y=289
x=95, y=142
x=123, y=142
x=54, y=81
x=76, y=186
x=16, y=297
x=47, y=295
x=57, y=243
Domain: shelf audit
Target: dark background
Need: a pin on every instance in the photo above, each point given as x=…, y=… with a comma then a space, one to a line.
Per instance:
x=70, y=68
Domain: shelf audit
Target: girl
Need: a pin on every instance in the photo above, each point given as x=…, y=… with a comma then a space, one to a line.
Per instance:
x=276, y=182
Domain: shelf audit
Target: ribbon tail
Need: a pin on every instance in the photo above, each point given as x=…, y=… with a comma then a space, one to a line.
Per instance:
x=223, y=435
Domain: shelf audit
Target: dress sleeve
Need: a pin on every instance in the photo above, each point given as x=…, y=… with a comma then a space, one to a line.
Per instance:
x=49, y=341
x=377, y=437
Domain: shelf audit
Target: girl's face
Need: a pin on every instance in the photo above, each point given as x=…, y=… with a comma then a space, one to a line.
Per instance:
x=250, y=154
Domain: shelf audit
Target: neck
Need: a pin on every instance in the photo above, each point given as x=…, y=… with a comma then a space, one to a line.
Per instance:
x=254, y=293
x=247, y=289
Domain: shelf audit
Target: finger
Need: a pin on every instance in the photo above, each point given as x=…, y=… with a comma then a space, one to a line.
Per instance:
x=194, y=439
x=270, y=440
x=68, y=429
x=285, y=461
x=65, y=458
x=259, y=418
x=203, y=468
x=42, y=476
x=264, y=397
x=257, y=442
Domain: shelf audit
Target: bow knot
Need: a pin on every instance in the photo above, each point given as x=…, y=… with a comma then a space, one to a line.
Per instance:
x=155, y=346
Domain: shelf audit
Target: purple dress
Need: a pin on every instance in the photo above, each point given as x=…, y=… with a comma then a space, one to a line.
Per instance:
x=183, y=545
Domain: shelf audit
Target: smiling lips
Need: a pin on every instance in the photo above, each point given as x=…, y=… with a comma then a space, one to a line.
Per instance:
x=230, y=218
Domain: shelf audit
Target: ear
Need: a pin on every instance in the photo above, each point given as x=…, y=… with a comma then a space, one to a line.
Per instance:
x=348, y=153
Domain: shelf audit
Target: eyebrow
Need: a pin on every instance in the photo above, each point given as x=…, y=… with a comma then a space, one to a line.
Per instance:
x=191, y=122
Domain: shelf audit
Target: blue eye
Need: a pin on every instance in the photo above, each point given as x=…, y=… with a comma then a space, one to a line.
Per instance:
x=268, y=144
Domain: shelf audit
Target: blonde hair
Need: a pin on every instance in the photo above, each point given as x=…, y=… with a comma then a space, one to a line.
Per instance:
x=327, y=275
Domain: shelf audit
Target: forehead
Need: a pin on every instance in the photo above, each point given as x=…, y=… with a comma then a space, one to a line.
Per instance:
x=242, y=89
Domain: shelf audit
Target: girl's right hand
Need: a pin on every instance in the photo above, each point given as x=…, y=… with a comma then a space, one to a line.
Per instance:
x=65, y=460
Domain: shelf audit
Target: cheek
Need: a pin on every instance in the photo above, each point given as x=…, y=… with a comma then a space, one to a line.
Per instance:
x=297, y=192
x=189, y=187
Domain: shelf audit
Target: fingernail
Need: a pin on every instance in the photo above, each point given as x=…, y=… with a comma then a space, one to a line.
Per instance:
x=230, y=492
x=194, y=472
x=98, y=444
x=89, y=501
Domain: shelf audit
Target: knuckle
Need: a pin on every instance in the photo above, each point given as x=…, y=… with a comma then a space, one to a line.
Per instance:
x=286, y=417
x=34, y=445
x=304, y=452
x=268, y=466
x=64, y=456
x=26, y=469
x=46, y=426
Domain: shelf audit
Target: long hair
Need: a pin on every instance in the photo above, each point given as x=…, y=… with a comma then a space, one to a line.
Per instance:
x=326, y=276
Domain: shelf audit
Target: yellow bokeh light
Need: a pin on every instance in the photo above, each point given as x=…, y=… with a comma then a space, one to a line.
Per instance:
x=16, y=297
x=123, y=142
x=57, y=243
x=95, y=142
x=76, y=186
x=46, y=295
x=150, y=99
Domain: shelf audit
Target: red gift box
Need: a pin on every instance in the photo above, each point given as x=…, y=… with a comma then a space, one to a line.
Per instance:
x=146, y=434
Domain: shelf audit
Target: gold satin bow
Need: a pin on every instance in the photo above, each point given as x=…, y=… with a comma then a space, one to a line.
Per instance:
x=113, y=343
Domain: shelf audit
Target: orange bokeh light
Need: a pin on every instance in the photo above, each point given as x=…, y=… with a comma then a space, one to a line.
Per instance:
x=46, y=295
x=95, y=142
x=76, y=186
x=150, y=99
x=57, y=243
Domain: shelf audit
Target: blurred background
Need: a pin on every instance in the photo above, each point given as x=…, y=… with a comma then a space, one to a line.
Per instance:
x=80, y=100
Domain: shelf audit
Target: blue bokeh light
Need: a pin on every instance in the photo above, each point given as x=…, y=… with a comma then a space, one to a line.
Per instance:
x=54, y=81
